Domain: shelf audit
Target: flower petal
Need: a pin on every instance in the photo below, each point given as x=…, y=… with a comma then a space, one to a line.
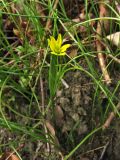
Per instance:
x=59, y=40
x=64, y=47
x=52, y=43
x=56, y=46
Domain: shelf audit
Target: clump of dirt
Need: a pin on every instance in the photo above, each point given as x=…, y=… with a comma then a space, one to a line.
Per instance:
x=76, y=105
x=75, y=102
x=117, y=141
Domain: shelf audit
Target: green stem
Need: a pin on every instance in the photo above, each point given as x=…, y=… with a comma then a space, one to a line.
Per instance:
x=76, y=148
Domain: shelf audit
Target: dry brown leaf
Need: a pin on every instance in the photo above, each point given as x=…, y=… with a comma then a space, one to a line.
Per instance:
x=16, y=32
x=114, y=38
x=59, y=115
x=14, y=157
x=50, y=128
x=73, y=52
x=52, y=131
x=9, y=156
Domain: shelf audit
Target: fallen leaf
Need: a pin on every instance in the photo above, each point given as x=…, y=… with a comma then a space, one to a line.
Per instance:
x=50, y=128
x=73, y=52
x=114, y=38
x=9, y=156
x=59, y=116
x=52, y=131
x=16, y=32
x=14, y=157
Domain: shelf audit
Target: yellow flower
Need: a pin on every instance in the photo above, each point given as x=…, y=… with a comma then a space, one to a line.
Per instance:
x=56, y=46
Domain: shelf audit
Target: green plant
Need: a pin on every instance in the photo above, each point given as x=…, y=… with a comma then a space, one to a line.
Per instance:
x=56, y=70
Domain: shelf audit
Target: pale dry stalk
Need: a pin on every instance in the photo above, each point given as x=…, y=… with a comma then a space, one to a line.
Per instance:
x=43, y=107
x=111, y=117
x=101, y=58
x=114, y=58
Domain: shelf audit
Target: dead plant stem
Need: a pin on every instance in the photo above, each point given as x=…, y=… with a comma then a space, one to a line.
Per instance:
x=99, y=45
x=43, y=106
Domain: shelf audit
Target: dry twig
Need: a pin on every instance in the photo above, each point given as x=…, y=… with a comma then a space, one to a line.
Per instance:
x=103, y=152
x=43, y=105
x=100, y=25
x=114, y=58
x=111, y=117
